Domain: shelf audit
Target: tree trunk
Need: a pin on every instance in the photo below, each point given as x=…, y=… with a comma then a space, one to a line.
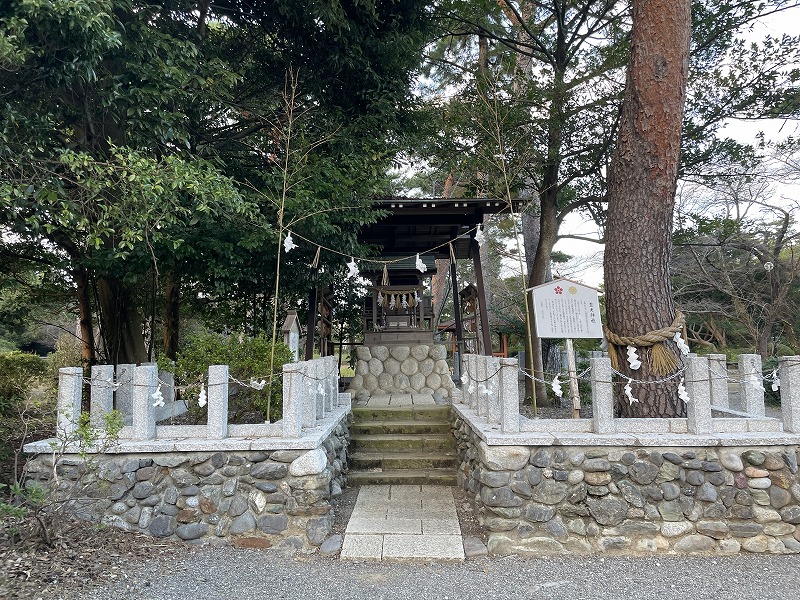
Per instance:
x=122, y=324
x=81, y=279
x=172, y=305
x=548, y=201
x=642, y=182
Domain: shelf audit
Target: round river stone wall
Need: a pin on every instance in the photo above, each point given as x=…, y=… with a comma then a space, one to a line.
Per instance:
x=420, y=369
x=552, y=500
x=255, y=499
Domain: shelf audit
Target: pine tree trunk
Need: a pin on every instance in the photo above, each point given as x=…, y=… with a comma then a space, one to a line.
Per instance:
x=642, y=182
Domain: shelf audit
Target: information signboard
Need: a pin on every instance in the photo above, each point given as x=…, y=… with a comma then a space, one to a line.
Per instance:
x=566, y=309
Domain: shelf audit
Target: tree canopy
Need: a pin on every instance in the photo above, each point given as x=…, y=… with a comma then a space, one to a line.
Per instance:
x=143, y=147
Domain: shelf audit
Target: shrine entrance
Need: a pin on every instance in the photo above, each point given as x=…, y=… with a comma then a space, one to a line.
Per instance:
x=416, y=236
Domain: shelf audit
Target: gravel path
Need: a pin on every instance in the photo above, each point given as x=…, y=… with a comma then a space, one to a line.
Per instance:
x=248, y=574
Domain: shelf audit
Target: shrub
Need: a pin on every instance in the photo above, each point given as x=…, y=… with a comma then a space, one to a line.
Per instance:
x=247, y=358
x=66, y=354
x=19, y=374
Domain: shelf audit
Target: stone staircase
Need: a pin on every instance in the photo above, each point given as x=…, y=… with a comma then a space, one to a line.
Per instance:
x=409, y=445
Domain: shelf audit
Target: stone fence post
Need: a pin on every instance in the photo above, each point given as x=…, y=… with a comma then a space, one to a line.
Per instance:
x=698, y=386
x=602, y=395
x=70, y=387
x=318, y=374
x=789, y=372
x=308, y=393
x=217, y=424
x=145, y=384
x=332, y=385
x=124, y=393
x=752, y=384
x=292, y=394
x=495, y=390
x=718, y=371
x=101, y=399
x=481, y=401
x=469, y=370
x=509, y=395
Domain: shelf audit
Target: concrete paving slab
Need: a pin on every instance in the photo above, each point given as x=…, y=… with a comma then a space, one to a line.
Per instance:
x=378, y=401
x=423, y=547
x=370, y=510
x=383, y=526
x=363, y=547
x=438, y=491
x=441, y=526
x=435, y=501
x=420, y=513
x=406, y=503
x=374, y=491
x=404, y=512
x=401, y=400
x=404, y=522
x=423, y=399
x=405, y=491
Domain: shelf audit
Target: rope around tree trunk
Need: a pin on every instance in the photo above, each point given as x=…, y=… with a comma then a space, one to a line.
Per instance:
x=661, y=361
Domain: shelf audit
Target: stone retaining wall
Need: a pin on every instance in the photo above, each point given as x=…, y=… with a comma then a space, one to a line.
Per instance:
x=248, y=498
x=583, y=499
x=420, y=369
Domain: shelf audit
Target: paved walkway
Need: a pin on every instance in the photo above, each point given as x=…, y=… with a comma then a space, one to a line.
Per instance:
x=384, y=400
x=403, y=522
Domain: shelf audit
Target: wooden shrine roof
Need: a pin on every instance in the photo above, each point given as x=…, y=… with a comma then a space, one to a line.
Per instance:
x=417, y=225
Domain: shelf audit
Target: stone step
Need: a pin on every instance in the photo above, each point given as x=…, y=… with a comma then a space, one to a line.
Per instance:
x=403, y=477
x=420, y=412
x=404, y=426
x=388, y=442
x=385, y=461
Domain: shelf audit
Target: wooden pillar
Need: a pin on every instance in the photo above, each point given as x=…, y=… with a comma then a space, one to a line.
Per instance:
x=311, y=322
x=457, y=309
x=483, y=310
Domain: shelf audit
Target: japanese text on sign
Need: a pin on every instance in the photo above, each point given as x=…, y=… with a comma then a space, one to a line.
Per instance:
x=564, y=309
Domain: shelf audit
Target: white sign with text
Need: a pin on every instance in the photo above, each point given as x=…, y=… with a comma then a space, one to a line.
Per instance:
x=566, y=309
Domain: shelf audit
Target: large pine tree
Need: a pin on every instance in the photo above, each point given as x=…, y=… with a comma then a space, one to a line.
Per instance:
x=642, y=182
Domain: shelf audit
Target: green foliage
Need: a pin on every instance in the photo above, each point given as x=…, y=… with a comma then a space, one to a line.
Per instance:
x=246, y=358
x=19, y=374
x=66, y=354
x=138, y=140
x=27, y=397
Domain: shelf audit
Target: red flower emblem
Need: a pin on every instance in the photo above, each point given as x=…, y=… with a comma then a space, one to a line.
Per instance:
x=559, y=289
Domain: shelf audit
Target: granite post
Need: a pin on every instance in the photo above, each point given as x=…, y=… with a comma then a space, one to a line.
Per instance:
x=698, y=386
x=292, y=408
x=101, y=401
x=718, y=370
x=308, y=393
x=70, y=386
x=145, y=384
x=789, y=372
x=123, y=397
x=752, y=384
x=217, y=424
x=509, y=395
x=493, y=385
x=602, y=395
